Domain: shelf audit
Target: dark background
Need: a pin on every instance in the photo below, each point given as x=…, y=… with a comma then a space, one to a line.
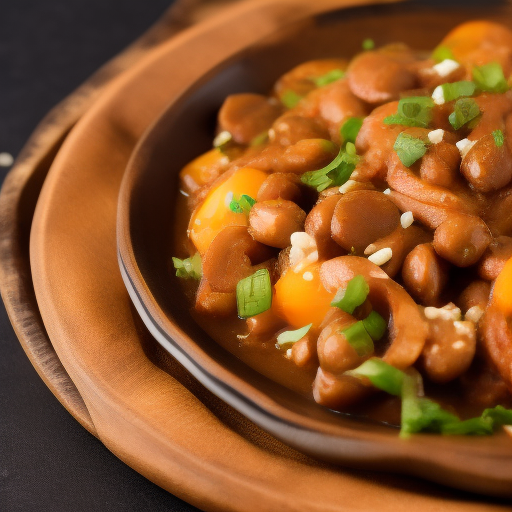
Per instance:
x=48, y=462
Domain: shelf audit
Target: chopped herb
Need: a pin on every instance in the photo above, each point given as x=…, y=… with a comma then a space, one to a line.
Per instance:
x=499, y=138
x=242, y=205
x=368, y=44
x=359, y=339
x=259, y=139
x=353, y=295
x=490, y=78
x=499, y=415
x=350, y=128
x=442, y=52
x=292, y=336
x=413, y=111
x=375, y=325
x=409, y=148
x=381, y=374
x=334, y=174
x=465, y=110
x=328, y=78
x=290, y=99
x=223, y=141
x=254, y=294
x=189, y=268
x=456, y=90
x=474, y=426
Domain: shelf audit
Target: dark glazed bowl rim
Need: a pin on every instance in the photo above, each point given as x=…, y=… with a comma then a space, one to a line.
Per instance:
x=475, y=464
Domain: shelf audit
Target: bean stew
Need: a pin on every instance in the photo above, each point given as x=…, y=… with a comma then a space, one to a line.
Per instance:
x=350, y=235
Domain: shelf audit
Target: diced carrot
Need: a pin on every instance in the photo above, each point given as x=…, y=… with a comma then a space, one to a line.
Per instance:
x=301, y=301
x=214, y=214
x=502, y=292
x=203, y=170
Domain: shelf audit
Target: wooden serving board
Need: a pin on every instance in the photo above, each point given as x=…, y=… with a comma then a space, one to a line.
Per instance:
x=101, y=363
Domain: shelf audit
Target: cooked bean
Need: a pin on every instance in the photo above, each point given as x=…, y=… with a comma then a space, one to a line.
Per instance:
x=476, y=294
x=337, y=392
x=214, y=303
x=306, y=155
x=497, y=215
x=462, y=239
x=486, y=166
x=290, y=129
x=246, y=116
x=425, y=274
x=318, y=225
x=300, y=78
x=440, y=164
x=240, y=255
x=449, y=349
x=377, y=77
x=304, y=350
x=494, y=108
x=408, y=329
x=362, y=217
x=280, y=186
x=273, y=222
x=335, y=353
x=495, y=257
x=264, y=323
x=428, y=77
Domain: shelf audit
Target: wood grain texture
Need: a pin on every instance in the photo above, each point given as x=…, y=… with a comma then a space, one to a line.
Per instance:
x=145, y=408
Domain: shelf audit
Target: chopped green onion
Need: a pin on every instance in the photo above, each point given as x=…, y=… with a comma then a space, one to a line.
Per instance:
x=499, y=415
x=442, y=52
x=409, y=148
x=490, y=78
x=368, y=44
x=499, y=138
x=465, y=110
x=474, y=426
x=329, y=77
x=254, y=294
x=359, y=339
x=350, y=129
x=189, y=268
x=242, y=205
x=292, y=336
x=381, y=374
x=413, y=111
x=290, y=99
x=352, y=296
x=259, y=139
x=455, y=90
x=223, y=141
x=375, y=325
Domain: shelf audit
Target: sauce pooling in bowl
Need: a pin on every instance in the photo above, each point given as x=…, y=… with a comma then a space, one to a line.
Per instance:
x=350, y=233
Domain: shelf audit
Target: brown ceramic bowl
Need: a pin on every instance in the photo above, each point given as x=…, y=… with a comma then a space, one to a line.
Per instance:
x=146, y=226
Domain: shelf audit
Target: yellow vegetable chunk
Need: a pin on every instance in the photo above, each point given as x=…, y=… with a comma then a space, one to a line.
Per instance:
x=300, y=298
x=502, y=292
x=203, y=170
x=213, y=215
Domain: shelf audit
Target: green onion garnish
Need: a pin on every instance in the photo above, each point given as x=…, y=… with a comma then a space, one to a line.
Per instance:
x=334, y=174
x=242, y=205
x=350, y=128
x=259, y=139
x=456, y=90
x=465, y=110
x=189, y=268
x=223, y=141
x=490, y=78
x=290, y=99
x=474, y=426
x=254, y=294
x=409, y=148
x=292, y=336
x=328, y=78
x=375, y=325
x=359, y=339
x=352, y=296
x=499, y=138
x=442, y=52
x=381, y=374
x=368, y=44
x=413, y=111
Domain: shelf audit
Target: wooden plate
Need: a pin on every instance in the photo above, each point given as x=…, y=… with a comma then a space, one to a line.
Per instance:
x=144, y=406
x=146, y=226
